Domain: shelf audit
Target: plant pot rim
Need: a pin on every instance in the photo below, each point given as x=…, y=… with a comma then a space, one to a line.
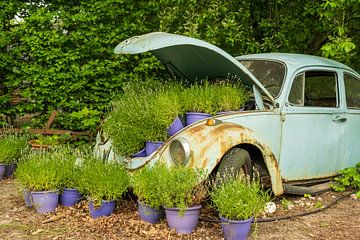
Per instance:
x=224, y=219
x=186, y=208
x=147, y=205
x=44, y=192
x=154, y=142
x=199, y=113
x=70, y=189
x=102, y=200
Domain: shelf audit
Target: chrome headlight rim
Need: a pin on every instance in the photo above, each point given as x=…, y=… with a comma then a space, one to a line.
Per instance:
x=183, y=142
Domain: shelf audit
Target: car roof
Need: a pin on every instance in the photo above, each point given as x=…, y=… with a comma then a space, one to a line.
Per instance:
x=296, y=60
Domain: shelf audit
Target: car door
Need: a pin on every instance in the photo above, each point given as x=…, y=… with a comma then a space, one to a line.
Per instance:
x=313, y=126
x=351, y=140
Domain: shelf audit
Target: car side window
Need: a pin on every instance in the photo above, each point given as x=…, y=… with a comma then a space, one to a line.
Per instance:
x=352, y=89
x=314, y=89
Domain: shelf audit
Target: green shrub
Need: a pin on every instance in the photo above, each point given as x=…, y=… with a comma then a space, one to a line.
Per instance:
x=146, y=109
x=349, y=179
x=70, y=172
x=145, y=184
x=40, y=171
x=12, y=146
x=211, y=98
x=181, y=187
x=237, y=199
x=103, y=181
x=143, y=112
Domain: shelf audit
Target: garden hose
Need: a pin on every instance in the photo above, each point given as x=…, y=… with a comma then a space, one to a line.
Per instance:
x=326, y=206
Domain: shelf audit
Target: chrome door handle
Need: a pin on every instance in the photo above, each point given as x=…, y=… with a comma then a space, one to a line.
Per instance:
x=339, y=118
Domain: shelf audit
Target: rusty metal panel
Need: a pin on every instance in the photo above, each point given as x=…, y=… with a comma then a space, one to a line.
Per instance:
x=208, y=144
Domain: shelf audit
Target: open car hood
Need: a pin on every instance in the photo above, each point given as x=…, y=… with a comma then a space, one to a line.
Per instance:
x=190, y=58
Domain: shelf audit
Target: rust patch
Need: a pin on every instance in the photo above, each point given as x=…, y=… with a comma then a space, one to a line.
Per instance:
x=204, y=163
x=274, y=161
x=196, y=129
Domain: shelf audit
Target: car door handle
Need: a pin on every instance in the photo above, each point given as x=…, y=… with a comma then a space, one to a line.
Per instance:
x=339, y=118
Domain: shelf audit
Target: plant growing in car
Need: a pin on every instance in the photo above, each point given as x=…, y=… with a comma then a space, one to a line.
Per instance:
x=213, y=97
x=143, y=112
x=102, y=181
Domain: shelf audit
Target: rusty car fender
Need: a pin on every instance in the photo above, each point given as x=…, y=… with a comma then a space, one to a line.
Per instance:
x=209, y=144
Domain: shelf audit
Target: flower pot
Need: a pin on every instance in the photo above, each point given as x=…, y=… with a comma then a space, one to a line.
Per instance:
x=183, y=222
x=192, y=117
x=149, y=214
x=45, y=201
x=105, y=209
x=176, y=126
x=27, y=197
x=141, y=153
x=2, y=170
x=235, y=230
x=151, y=147
x=70, y=197
x=10, y=169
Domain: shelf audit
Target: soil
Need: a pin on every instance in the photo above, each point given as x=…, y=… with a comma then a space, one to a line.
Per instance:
x=341, y=221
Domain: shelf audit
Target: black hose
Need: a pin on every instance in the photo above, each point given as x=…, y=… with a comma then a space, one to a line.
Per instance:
x=326, y=206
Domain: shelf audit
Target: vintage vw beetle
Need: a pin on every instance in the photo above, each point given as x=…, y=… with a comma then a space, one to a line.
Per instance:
x=301, y=127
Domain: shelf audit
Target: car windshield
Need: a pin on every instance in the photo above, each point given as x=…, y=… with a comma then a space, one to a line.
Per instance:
x=270, y=73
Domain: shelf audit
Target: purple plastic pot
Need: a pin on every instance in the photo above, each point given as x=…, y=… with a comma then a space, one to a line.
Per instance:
x=183, y=223
x=149, y=214
x=176, y=126
x=141, y=153
x=10, y=169
x=2, y=171
x=151, y=147
x=70, y=197
x=235, y=230
x=27, y=197
x=45, y=201
x=192, y=117
x=105, y=209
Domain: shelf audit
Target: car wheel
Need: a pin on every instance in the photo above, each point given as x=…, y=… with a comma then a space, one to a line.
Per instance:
x=236, y=163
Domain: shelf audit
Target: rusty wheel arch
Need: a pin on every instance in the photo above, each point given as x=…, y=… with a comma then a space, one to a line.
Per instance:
x=258, y=160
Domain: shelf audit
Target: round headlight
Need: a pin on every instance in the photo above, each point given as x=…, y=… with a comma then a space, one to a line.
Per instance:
x=180, y=151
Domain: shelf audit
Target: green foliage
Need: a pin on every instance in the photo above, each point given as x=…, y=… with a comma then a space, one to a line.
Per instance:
x=60, y=55
x=349, y=178
x=61, y=58
x=213, y=97
x=239, y=200
x=143, y=112
x=40, y=171
x=46, y=140
x=181, y=187
x=70, y=172
x=103, y=181
x=285, y=203
x=12, y=146
x=146, y=109
x=145, y=184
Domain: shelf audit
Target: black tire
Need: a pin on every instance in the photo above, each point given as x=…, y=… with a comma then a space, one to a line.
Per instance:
x=236, y=163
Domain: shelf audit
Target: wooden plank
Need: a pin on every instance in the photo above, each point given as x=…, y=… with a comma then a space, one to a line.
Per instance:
x=51, y=120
